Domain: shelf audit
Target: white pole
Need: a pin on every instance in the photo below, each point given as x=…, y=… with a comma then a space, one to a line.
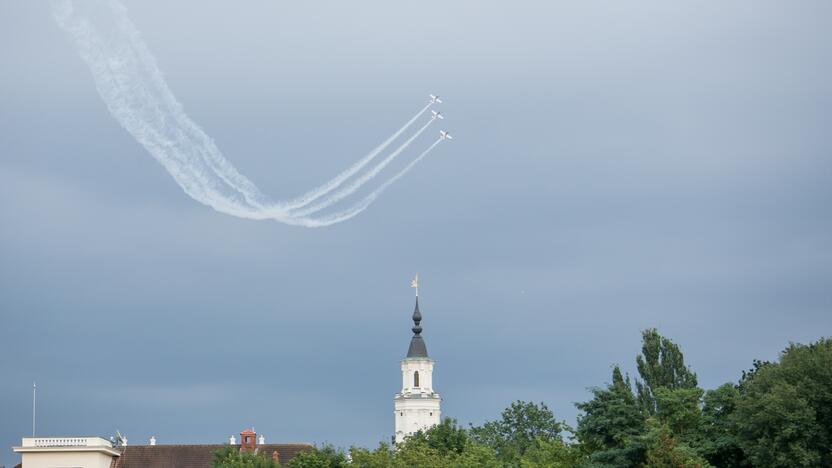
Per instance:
x=34, y=405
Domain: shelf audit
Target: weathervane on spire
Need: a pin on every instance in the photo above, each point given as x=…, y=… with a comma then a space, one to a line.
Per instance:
x=415, y=284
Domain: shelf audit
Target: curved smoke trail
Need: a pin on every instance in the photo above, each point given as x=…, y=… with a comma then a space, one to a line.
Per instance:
x=132, y=86
x=318, y=192
x=369, y=199
x=359, y=182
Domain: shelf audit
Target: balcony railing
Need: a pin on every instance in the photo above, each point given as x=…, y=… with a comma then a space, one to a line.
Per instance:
x=65, y=442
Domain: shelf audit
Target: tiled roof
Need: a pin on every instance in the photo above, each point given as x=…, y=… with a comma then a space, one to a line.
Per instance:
x=191, y=456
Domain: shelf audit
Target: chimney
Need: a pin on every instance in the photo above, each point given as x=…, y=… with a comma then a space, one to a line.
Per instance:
x=232, y=440
x=152, y=440
x=261, y=440
x=247, y=438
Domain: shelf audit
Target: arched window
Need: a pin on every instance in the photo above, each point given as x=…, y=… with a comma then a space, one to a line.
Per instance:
x=416, y=379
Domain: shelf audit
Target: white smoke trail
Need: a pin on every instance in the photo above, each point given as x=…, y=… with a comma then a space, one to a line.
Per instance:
x=132, y=87
x=199, y=141
x=369, y=199
x=318, y=192
x=118, y=79
x=358, y=183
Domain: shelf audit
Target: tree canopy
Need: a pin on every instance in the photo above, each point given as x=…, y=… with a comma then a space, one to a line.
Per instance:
x=778, y=414
x=660, y=365
x=520, y=426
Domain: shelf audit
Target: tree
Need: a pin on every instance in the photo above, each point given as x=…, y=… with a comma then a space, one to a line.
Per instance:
x=611, y=424
x=475, y=456
x=521, y=424
x=443, y=445
x=666, y=451
x=325, y=456
x=777, y=428
x=232, y=457
x=552, y=453
x=660, y=364
x=784, y=413
x=416, y=453
x=680, y=409
x=381, y=457
x=445, y=437
x=719, y=443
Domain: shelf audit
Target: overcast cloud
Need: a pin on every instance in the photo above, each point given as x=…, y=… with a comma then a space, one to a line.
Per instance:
x=616, y=166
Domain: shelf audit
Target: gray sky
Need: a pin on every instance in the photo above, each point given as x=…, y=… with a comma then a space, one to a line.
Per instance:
x=615, y=167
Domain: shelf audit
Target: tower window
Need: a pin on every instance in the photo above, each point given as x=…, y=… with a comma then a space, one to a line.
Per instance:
x=416, y=379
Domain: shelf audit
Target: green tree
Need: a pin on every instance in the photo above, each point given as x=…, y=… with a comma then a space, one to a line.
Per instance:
x=445, y=445
x=475, y=456
x=680, y=410
x=416, y=453
x=552, y=453
x=381, y=457
x=447, y=437
x=661, y=364
x=666, y=451
x=611, y=423
x=325, y=456
x=520, y=425
x=232, y=457
x=784, y=413
x=719, y=442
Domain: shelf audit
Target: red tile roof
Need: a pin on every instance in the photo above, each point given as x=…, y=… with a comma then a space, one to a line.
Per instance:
x=192, y=456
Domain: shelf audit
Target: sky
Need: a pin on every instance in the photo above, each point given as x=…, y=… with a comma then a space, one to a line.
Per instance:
x=615, y=166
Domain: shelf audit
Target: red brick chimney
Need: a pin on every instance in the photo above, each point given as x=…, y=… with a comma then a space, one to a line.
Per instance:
x=248, y=440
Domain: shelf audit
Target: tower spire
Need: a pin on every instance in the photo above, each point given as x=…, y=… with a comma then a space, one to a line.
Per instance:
x=417, y=343
x=417, y=319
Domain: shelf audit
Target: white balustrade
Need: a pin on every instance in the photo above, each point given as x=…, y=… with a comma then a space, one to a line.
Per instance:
x=65, y=442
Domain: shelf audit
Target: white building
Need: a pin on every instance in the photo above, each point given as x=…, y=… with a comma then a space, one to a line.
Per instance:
x=97, y=452
x=51, y=452
x=417, y=405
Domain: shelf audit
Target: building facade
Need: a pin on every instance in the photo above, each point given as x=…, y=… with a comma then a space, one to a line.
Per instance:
x=82, y=452
x=417, y=406
x=97, y=452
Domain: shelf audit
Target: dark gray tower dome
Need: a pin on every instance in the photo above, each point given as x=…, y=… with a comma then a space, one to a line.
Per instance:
x=417, y=347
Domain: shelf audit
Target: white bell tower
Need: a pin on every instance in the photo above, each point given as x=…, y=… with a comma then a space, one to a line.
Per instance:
x=417, y=405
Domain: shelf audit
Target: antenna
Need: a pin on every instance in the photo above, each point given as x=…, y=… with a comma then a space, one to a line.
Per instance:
x=34, y=405
x=120, y=440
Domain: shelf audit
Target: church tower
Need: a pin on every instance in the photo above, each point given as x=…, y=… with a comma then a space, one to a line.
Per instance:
x=417, y=405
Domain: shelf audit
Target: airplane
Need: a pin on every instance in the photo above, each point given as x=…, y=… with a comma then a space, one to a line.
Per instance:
x=435, y=99
x=436, y=115
x=443, y=135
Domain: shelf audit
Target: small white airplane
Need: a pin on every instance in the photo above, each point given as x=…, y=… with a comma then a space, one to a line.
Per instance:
x=443, y=135
x=435, y=99
x=436, y=115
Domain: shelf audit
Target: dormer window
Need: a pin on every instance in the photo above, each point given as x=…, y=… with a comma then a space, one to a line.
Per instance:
x=416, y=379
